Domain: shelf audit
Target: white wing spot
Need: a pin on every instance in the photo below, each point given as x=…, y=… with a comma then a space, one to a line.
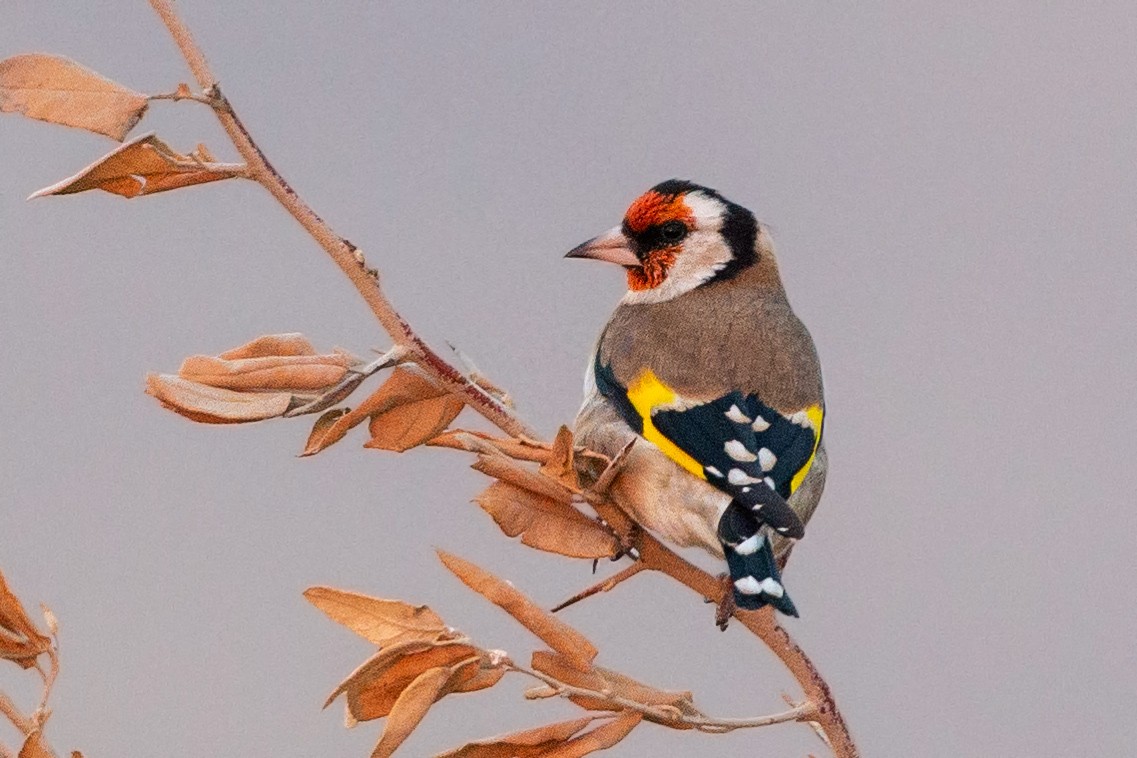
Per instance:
x=770, y=483
x=736, y=450
x=766, y=459
x=801, y=418
x=750, y=545
x=760, y=424
x=713, y=471
x=745, y=489
x=737, y=416
x=748, y=585
x=738, y=476
x=772, y=587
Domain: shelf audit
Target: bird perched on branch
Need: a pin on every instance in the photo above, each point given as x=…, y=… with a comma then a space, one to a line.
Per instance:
x=705, y=361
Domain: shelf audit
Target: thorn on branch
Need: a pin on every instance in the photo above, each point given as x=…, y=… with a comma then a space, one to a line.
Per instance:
x=604, y=586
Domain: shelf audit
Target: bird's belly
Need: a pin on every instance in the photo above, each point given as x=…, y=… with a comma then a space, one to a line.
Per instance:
x=674, y=505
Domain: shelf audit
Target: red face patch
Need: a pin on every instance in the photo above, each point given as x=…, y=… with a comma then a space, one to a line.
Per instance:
x=652, y=208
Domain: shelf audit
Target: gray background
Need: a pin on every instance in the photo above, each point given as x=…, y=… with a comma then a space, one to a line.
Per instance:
x=952, y=187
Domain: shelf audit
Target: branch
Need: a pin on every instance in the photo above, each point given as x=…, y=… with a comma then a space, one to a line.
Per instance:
x=670, y=715
x=367, y=282
x=342, y=252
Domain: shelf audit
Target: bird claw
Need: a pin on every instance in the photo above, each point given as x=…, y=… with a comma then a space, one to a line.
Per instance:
x=726, y=604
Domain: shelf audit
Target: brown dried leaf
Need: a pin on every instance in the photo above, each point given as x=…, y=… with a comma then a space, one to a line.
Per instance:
x=278, y=373
x=405, y=388
x=600, y=738
x=20, y=640
x=601, y=679
x=500, y=467
x=371, y=690
x=290, y=343
x=318, y=437
x=473, y=441
x=35, y=747
x=417, y=411
x=412, y=704
x=560, y=465
x=555, y=633
x=530, y=743
x=213, y=405
x=383, y=622
x=483, y=679
x=546, y=524
x=143, y=166
x=59, y=90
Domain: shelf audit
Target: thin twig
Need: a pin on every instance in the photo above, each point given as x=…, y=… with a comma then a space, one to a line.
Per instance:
x=13, y=714
x=670, y=715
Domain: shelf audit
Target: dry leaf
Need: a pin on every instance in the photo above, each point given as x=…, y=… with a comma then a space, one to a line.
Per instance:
x=290, y=343
x=531, y=743
x=60, y=91
x=605, y=680
x=406, y=411
x=318, y=437
x=418, y=410
x=600, y=738
x=412, y=705
x=483, y=679
x=554, y=632
x=500, y=467
x=35, y=746
x=278, y=373
x=372, y=689
x=212, y=405
x=20, y=640
x=560, y=465
x=383, y=622
x=546, y=524
x=143, y=166
x=474, y=442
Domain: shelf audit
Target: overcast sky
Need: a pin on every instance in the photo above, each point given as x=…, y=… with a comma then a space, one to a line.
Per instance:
x=952, y=188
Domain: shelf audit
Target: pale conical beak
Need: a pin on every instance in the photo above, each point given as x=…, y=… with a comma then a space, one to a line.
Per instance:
x=611, y=246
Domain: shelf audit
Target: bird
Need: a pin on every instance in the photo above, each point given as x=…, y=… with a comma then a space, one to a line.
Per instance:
x=706, y=367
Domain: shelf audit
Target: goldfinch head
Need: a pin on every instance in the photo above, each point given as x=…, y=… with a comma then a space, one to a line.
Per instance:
x=675, y=237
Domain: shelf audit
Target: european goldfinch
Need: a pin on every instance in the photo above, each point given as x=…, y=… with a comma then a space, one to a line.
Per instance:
x=706, y=366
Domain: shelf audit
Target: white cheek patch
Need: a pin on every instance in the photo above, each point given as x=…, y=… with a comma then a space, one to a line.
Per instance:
x=707, y=211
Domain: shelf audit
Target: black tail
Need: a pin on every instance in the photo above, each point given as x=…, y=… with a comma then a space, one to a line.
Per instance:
x=753, y=569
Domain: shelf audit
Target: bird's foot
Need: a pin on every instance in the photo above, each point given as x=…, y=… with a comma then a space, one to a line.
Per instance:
x=726, y=604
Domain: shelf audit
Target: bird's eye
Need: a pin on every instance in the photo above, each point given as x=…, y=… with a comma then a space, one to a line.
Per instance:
x=673, y=231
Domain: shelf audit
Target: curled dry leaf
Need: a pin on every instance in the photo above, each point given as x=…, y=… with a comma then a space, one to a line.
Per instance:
x=211, y=405
x=418, y=410
x=284, y=373
x=59, y=90
x=600, y=738
x=475, y=442
x=605, y=680
x=546, y=524
x=372, y=689
x=262, y=379
x=383, y=622
x=530, y=743
x=144, y=166
x=413, y=703
x=558, y=635
x=500, y=467
x=20, y=640
x=407, y=410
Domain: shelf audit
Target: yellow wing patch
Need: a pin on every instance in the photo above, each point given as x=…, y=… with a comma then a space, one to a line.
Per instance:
x=816, y=417
x=648, y=392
